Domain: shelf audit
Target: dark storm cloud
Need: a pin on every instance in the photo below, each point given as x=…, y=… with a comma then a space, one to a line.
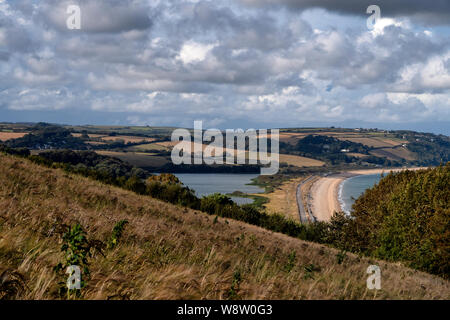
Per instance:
x=261, y=31
x=431, y=12
x=103, y=16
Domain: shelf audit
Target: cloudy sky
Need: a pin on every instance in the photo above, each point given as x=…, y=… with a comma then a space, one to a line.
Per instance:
x=230, y=63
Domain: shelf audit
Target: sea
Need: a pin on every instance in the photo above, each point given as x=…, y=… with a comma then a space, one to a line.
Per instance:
x=351, y=188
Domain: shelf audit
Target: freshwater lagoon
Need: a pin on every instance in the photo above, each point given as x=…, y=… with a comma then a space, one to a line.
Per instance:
x=209, y=183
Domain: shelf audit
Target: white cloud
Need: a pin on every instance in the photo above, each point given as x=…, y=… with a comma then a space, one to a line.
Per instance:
x=382, y=23
x=192, y=51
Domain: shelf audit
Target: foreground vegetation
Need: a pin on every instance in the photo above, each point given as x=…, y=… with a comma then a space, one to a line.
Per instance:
x=167, y=251
x=404, y=218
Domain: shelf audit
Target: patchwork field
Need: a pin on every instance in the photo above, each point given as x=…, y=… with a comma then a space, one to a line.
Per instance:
x=369, y=139
x=385, y=144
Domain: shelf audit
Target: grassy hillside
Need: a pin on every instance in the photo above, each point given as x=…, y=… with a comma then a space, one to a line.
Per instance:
x=170, y=252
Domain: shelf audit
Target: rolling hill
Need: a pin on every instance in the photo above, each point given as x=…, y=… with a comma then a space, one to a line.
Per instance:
x=170, y=252
x=150, y=147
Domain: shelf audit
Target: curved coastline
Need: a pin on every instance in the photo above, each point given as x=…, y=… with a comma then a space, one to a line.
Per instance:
x=326, y=193
x=339, y=195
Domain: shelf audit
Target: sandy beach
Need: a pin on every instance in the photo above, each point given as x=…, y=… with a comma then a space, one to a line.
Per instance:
x=324, y=197
x=324, y=192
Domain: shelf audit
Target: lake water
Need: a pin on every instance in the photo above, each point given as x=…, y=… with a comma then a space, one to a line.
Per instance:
x=353, y=187
x=209, y=183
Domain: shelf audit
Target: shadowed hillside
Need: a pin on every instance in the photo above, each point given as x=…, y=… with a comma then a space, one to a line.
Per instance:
x=169, y=252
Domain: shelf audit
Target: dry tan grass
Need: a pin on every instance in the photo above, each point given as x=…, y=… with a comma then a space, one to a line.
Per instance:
x=11, y=135
x=169, y=252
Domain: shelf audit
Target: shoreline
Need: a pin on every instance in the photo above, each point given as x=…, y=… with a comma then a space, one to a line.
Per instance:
x=326, y=193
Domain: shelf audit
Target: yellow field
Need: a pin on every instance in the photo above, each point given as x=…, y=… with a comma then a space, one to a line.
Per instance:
x=289, y=159
x=11, y=135
x=300, y=161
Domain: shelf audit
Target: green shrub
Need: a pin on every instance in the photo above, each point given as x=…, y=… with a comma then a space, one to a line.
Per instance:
x=233, y=292
x=117, y=233
x=77, y=250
